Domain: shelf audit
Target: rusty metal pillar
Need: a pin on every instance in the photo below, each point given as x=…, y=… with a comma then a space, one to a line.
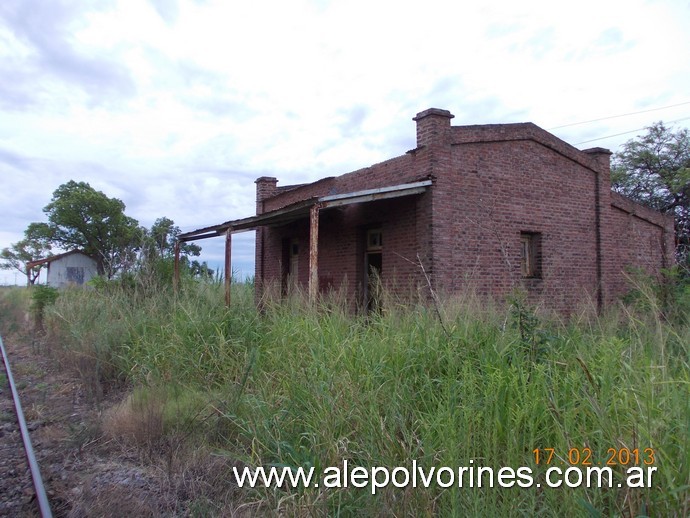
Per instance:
x=228, y=265
x=313, y=252
x=176, y=269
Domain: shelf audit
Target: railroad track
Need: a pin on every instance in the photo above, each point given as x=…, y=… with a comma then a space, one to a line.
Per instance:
x=16, y=443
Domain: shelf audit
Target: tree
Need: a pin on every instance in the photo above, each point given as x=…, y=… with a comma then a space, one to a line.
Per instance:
x=22, y=252
x=200, y=270
x=80, y=217
x=654, y=169
x=158, y=251
x=163, y=235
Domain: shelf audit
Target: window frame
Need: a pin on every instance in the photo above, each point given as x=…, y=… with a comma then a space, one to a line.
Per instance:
x=530, y=255
x=75, y=275
x=374, y=240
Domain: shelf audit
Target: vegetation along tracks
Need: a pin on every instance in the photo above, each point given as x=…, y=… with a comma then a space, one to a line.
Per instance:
x=41, y=497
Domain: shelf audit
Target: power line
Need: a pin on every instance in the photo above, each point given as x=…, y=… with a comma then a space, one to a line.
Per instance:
x=626, y=132
x=617, y=116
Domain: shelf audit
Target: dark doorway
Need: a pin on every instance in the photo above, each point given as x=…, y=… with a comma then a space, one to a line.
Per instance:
x=373, y=269
x=290, y=262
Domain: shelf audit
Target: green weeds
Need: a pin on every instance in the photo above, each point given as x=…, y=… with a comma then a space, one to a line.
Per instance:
x=298, y=386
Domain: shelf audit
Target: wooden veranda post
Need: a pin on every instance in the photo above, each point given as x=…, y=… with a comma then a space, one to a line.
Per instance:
x=228, y=265
x=176, y=268
x=313, y=252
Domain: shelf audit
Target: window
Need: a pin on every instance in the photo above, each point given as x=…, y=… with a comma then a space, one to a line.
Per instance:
x=374, y=240
x=530, y=254
x=75, y=274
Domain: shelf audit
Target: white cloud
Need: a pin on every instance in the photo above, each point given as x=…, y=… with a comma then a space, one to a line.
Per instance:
x=176, y=106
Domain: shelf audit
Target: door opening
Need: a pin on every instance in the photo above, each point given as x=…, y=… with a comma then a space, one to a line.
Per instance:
x=373, y=269
x=290, y=265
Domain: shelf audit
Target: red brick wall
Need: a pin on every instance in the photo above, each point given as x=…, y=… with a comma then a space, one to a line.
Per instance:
x=341, y=245
x=491, y=193
x=398, y=170
x=491, y=183
x=643, y=239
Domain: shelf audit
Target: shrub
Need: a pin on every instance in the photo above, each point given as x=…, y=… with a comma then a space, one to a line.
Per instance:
x=41, y=297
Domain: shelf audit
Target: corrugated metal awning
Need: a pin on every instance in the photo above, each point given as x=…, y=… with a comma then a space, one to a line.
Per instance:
x=301, y=209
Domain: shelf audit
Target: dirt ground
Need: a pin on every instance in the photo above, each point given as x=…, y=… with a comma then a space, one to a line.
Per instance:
x=87, y=471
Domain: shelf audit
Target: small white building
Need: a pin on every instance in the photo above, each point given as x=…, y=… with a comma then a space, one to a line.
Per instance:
x=69, y=269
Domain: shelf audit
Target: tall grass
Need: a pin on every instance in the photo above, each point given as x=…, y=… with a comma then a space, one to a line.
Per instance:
x=298, y=385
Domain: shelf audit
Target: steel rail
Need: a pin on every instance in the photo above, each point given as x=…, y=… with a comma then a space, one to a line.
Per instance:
x=28, y=448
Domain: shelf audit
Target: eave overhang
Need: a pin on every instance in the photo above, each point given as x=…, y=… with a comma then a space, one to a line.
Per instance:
x=301, y=209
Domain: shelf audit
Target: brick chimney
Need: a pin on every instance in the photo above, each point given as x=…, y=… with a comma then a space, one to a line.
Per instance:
x=433, y=126
x=602, y=156
x=265, y=188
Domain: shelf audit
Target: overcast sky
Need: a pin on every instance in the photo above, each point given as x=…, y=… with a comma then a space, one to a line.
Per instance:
x=177, y=106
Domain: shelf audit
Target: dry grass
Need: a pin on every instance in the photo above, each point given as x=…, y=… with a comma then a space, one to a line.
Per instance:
x=117, y=498
x=138, y=420
x=181, y=477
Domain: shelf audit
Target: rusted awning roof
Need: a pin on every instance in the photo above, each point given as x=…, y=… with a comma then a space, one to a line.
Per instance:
x=300, y=209
x=50, y=259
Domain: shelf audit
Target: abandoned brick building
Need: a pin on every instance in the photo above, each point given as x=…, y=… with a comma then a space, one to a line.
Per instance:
x=487, y=208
